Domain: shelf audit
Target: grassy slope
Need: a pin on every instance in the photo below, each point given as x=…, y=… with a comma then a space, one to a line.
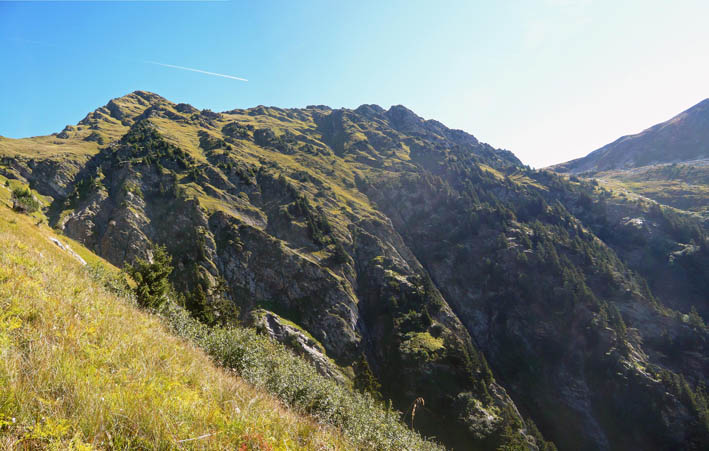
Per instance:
x=683, y=186
x=47, y=147
x=80, y=367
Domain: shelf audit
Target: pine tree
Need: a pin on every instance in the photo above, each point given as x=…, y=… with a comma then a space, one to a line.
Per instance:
x=152, y=278
x=364, y=380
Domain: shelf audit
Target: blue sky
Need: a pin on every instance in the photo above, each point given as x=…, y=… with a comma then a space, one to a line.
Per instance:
x=550, y=80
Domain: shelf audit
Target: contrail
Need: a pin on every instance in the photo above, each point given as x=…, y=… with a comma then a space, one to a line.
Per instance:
x=197, y=70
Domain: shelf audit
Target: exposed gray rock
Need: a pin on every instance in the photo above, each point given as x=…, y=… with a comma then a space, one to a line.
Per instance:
x=297, y=339
x=66, y=248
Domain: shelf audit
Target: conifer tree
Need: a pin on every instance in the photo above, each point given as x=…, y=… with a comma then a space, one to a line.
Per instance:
x=151, y=278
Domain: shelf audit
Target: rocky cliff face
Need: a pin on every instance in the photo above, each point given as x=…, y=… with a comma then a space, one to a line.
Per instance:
x=375, y=236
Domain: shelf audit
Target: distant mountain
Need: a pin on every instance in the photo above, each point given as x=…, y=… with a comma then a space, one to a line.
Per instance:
x=683, y=138
x=404, y=259
x=668, y=163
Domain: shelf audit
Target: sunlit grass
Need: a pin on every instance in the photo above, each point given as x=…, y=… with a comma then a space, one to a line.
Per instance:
x=83, y=369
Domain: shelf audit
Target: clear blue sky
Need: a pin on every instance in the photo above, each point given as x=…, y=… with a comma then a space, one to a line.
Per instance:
x=550, y=80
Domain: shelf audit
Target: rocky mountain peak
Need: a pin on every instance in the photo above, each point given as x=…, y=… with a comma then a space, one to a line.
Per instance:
x=404, y=119
x=124, y=109
x=370, y=110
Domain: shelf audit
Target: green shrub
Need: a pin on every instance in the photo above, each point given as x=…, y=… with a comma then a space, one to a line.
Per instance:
x=364, y=380
x=115, y=282
x=235, y=130
x=23, y=200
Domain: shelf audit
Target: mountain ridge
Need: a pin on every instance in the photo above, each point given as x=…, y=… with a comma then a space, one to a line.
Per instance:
x=398, y=242
x=681, y=138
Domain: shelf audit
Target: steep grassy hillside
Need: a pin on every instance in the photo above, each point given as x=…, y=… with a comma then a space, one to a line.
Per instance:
x=405, y=259
x=82, y=368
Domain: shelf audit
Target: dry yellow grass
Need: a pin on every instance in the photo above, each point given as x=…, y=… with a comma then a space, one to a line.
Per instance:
x=83, y=369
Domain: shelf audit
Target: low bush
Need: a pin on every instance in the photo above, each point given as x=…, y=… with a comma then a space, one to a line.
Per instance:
x=23, y=200
x=269, y=365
